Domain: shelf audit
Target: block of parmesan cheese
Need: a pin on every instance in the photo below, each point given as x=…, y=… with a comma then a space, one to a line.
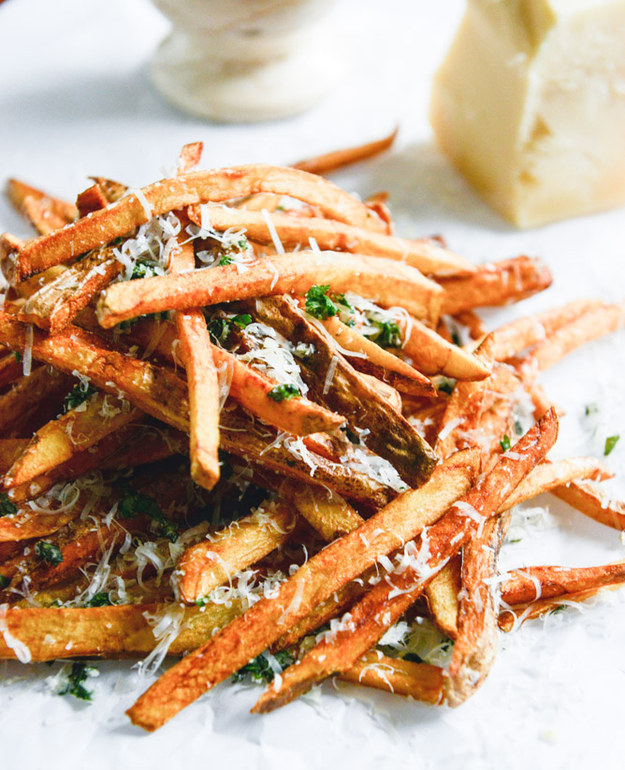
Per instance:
x=529, y=105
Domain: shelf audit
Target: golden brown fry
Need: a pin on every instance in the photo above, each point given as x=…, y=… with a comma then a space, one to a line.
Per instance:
x=518, y=335
x=53, y=633
x=58, y=302
x=593, y=502
x=10, y=450
x=315, y=581
x=101, y=227
x=326, y=511
x=61, y=210
x=202, y=379
x=388, y=600
x=334, y=383
x=111, y=190
x=431, y=354
x=378, y=361
x=10, y=369
x=495, y=284
x=419, y=681
x=90, y=200
x=322, y=164
x=213, y=562
x=442, y=595
x=428, y=257
x=382, y=280
x=190, y=156
x=589, y=326
x=75, y=431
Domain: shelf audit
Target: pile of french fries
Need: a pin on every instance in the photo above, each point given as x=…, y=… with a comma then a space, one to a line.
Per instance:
x=238, y=420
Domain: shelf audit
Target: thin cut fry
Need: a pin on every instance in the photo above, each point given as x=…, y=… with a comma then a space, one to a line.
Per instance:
x=495, y=284
x=588, y=498
x=442, y=595
x=32, y=400
x=18, y=192
x=326, y=511
x=213, y=562
x=382, y=280
x=90, y=200
x=129, y=212
x=322, y=164
x=423, y=254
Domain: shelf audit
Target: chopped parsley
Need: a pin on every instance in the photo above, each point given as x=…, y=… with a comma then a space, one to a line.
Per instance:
x=455, y=337
x=505, y=443
x=591, y=409
x=518, y=428
x=558, y=609
x=4, y=581
x=610, y=443
x=225, y=259
x=318, y=304
x=413, y=657
x=388, y=336
x=220, y=328
x=134, y=503
x=101, y=599
x=49, y=552
x=74, y=686
x=78, y=395
x=18, y=357
x=284, y=392
x=260, y=669
x=145, y=268
x=7, y=506
x=446, y=385
x=243, y=320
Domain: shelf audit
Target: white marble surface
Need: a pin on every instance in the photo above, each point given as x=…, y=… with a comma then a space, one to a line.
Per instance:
x=75, y=100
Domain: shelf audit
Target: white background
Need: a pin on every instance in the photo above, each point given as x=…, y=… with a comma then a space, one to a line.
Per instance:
x=75, y=100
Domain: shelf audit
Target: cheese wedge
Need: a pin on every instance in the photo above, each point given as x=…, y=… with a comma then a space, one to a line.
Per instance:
x=529, y=105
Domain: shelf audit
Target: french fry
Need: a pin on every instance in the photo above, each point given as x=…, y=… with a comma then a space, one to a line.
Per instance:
x=431, y=354
x=75, y=431
x=10, y=450
x=91, y=199
x=190, y=156
x=55, y=633
x=101, y=227
x=388, y=600
x=26, y=524
x=322, y=164
x=111, y=190
x=589, y=326
x=10, y=370
x=377, y=361
x=335, y=383
x=326, y=511
x=382, y=280
x=61, y=210
x=419, y=681
x=588, y=498
x=495, y=284
x=315, y=581
x=428, y=257
x=58, y=302
x=202, y=378
x=213, y=562
x=442, y=596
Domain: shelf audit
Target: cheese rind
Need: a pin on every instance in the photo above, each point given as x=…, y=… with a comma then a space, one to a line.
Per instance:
x=530, y=106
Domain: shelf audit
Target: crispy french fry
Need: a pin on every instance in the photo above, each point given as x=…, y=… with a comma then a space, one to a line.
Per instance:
x=335, y=383
x=61, y=210
x=377, y=361
x=384, y=281
x=588, y=498
x=10, y=370
x=315, y=581
x=213, y=562
x=111, y=190
x=10, y=450
x=58, y=302
x=190, y=156
x=442, y=596
x=124, y=631
x=428, y=257
x=419, y=681
x=132, y=210
x=431, y=354
x=202, y=378
x=322, y=164
x=326, y=511
x=589, y=326
x=91, y=199
x=388, y=600
x=495, y=284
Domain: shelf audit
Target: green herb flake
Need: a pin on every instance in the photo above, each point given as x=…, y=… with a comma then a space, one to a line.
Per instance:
x=74, y=686
x=446, y=385
x=260, y=670
x=4, y=581
x=18, y=357
x=78, y=395
x=591, y=409
x=7, y=506
x=558, y=609
x=318, y=304
x=505, y=443
x=389, y=335
x=243, y=320
x=49, y=552
x=134, y=504
x=518, y=428
x=225, y=259
x=284, y=392
x=101, y=599
x=456, y=338
x=610, y=443
x=412, y=657
x=219, y=329
x=145, y=268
